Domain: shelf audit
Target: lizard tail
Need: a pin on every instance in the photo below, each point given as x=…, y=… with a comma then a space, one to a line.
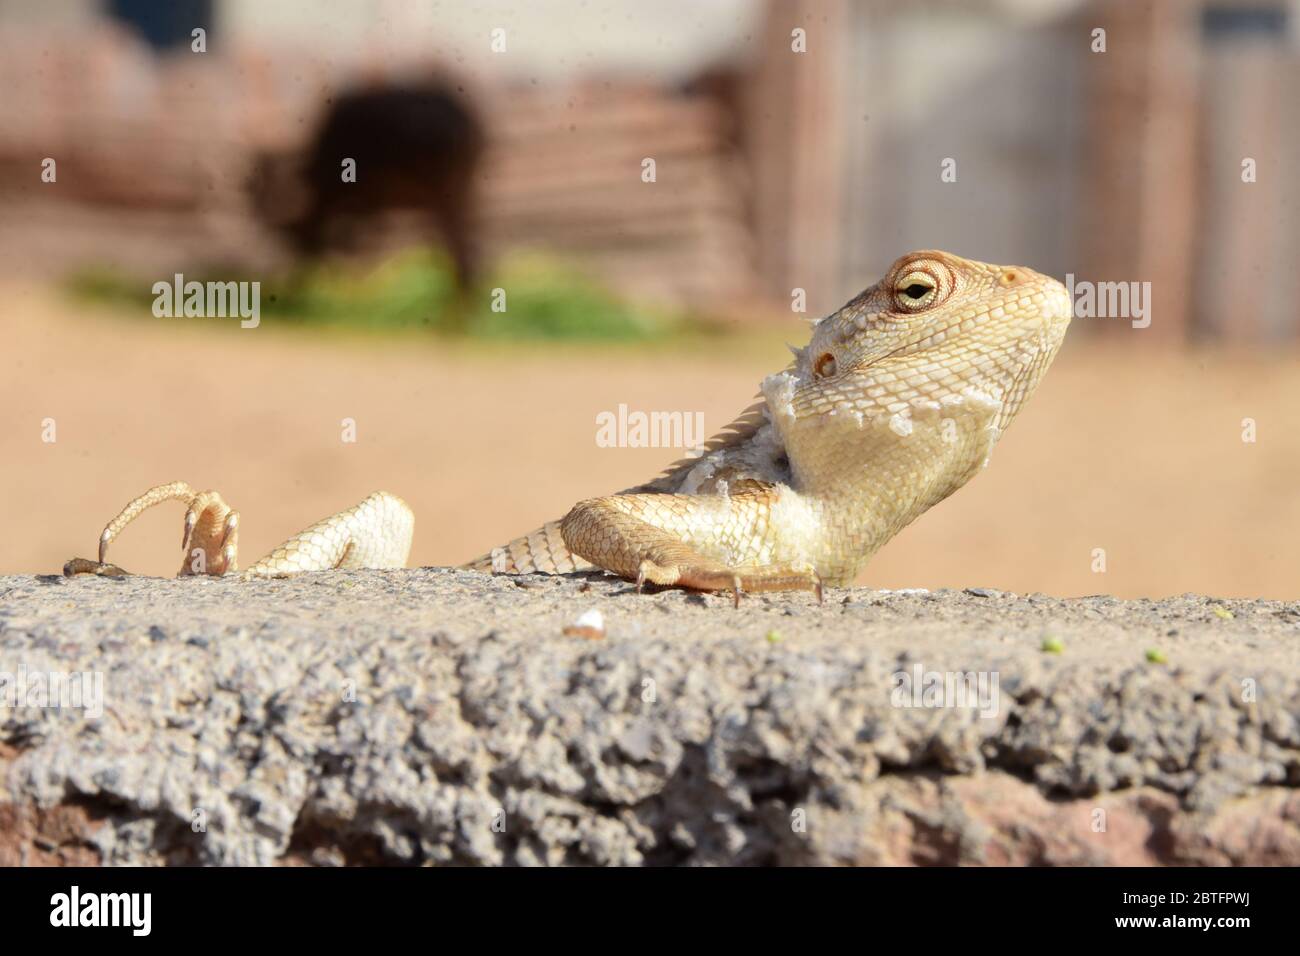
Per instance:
x=175, y=490
x=541, y=551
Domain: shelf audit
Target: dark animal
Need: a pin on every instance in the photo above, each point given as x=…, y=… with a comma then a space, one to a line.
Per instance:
x=414, y=147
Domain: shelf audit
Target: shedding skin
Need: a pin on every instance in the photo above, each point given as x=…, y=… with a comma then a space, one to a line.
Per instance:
x=894, y=404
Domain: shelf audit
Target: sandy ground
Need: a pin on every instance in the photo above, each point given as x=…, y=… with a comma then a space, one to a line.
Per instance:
x=1125, y=448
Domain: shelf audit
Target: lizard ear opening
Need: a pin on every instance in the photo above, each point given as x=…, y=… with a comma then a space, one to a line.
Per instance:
x=825, y=365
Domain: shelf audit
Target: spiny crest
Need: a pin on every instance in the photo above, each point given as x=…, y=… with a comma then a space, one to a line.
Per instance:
x=735, y=433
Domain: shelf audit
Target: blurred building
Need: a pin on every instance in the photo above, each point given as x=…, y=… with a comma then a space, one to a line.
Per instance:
x=796, y=143
x=1194, y=92
x=1115, y=166
x=856, y=134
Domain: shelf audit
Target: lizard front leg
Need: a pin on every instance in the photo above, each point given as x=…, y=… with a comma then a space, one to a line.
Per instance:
x=704, y=542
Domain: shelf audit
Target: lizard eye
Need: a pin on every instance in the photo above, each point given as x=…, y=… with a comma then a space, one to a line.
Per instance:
x=914, y=291
x=825, y=366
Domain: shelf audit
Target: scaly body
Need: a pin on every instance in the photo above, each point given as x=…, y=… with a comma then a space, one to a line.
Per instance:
x=895, y=403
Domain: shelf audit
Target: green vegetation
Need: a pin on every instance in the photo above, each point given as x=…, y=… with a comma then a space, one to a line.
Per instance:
x=543, y=299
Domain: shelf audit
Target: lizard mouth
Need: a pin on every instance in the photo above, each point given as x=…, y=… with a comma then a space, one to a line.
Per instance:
x=912, y=346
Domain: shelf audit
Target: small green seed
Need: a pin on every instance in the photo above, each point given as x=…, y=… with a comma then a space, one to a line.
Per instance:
x=1156, y=656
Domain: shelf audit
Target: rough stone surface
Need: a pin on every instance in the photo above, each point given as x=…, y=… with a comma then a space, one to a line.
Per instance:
x=438, y=716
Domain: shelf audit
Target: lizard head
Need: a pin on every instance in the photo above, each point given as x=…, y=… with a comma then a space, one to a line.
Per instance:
x=936, y=328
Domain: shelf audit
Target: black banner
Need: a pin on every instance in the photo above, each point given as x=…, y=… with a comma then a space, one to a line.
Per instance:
x=337, y=905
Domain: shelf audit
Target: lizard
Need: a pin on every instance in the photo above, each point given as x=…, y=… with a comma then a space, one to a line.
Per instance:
x=374, y=533
x=895, y=403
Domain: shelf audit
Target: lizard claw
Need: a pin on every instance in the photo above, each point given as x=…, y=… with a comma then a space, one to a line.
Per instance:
x=190, y=520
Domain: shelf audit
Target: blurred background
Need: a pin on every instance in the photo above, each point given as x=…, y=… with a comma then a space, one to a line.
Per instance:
x=504, y=146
